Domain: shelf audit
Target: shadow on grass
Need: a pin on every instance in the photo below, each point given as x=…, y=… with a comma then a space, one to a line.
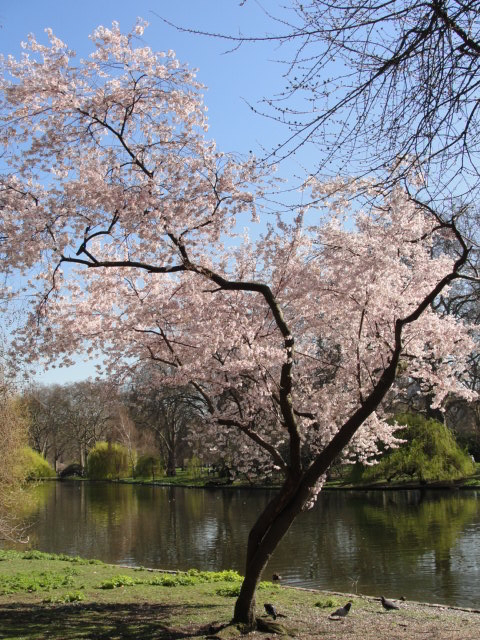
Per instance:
x=98, y=621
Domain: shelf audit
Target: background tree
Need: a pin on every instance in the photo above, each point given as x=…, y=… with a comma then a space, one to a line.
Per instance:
x=376, y=85
x=39, y=430
x=429, y=454
x=91, y=408
x=131, y=213
x=108, y=461
x=49, y=417
x=13, y=438
x=35, y=465
x=463, y=301
x=149, y=466
x=126, y=434
x=169, y=413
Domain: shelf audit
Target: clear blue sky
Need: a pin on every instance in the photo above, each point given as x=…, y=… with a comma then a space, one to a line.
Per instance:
x=232, y=79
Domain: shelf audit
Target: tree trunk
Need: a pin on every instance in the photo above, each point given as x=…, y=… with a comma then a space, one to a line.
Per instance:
x=434, y=414
x=266, y=533
x=56, y=457
x=295, y=494
x=171, y=462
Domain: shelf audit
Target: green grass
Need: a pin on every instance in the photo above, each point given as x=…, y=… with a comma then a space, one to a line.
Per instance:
x=57, y=596
x=330, y=602
x=62, y=598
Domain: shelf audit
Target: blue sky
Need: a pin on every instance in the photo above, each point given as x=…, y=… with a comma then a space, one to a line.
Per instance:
x=233, y=80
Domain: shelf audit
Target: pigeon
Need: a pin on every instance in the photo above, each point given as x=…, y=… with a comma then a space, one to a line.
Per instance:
x=342, y=612
x=270, y=609
x=388, y=604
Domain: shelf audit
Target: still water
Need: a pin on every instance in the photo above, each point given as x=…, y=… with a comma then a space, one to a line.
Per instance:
x=422, y=545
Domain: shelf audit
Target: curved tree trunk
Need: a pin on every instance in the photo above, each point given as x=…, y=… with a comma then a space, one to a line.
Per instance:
x=263, y=539
x=299, y=488
x=293, y=497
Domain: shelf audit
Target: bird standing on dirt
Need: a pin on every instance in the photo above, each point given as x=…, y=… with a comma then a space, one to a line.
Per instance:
x=270, y=609
x=342, y=612
x=388, y=604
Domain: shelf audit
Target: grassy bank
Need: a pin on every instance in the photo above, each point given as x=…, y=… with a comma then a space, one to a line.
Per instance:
x=57, y=597
x=202, y=479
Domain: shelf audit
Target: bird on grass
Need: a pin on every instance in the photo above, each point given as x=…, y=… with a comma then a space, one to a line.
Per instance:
x=388, y=604
x=270, y=609
x=342, y=612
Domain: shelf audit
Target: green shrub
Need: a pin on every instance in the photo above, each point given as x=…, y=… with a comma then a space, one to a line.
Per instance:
x=215, y=576
x=108, y=461
x=170, y=580
x=35, y=465
x=233, y=591
x=430, y=454
x=149, y=466
x=329, y=603
x=229, y=592
x=119, y=581
x=34, y=581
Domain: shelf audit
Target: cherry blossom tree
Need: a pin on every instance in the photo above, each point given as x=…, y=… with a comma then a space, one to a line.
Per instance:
x=121, y=220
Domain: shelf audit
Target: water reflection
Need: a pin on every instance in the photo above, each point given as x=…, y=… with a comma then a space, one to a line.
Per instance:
x=423, y=545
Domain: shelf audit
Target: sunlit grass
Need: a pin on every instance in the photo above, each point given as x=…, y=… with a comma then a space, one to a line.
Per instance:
x=69, y=598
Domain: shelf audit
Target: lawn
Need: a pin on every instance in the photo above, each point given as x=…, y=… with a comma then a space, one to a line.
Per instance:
x=62, y=598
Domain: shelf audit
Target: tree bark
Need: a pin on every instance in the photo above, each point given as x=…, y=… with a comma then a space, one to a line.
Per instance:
x=263, y=539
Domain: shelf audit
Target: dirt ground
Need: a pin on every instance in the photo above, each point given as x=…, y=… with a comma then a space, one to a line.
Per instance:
x=368, y=621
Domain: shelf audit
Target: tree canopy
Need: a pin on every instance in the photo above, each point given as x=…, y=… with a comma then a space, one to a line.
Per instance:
x=376, y=85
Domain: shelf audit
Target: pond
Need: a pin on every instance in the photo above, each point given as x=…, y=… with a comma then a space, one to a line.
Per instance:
x=423, y=545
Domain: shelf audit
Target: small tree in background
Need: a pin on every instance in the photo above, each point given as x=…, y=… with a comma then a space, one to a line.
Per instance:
x=35, y=465
x=50, y=410
x=108, y=461
x=167, y=413
x=13, y=473
x=430, y=453
x=127, y=435
x=149, y=466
